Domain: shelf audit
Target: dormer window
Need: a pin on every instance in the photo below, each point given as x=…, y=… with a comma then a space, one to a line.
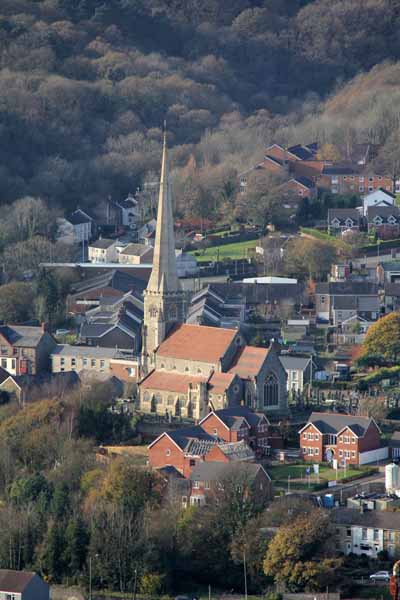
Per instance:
x=392, y=220
x=378, y=220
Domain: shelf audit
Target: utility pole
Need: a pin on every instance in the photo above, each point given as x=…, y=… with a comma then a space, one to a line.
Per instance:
x=90, y=578
x=245, y=574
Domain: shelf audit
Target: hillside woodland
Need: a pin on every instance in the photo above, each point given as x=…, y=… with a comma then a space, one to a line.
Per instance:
x=85, y=86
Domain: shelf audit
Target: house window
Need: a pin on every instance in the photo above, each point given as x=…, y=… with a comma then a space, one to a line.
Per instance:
x=364, y=534
x=102, y=364
x=348, y=532
x=316, y=450
x=391, y=536
x=361, y=188
x=62, y=361
x=196, y=485
x=322, y=299
x=85, y=362
x=4, y=350
x=311, y=451
x=340, y=452
x=370, y=178
x=93, y=362
x=376, y=535
x=170, y=400
x=73, y=362
x=192, y=462
x=304, y=436
x=4, y=363
x=13, y=363
x=353, y=440
x=206, y=485
x=271, y=391
x=215, y=431
x=304, y=450
x=341, y=439
x=353, y=454
x=316, y=436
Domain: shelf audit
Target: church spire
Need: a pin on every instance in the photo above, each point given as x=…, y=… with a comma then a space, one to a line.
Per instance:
x=164, y=276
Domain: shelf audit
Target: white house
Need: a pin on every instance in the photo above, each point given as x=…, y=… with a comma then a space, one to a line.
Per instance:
x=186, y=264
x=129, y=211
x=299, y=371
x=103, y=251
x=379, y=197
x=75, y=228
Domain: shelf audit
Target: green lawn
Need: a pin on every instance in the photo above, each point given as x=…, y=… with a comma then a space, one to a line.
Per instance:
x=299, y=479
x=232, y=251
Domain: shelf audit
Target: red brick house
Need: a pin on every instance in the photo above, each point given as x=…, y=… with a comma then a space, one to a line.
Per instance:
x=241, y=423
x=213, y=479
x=182, y=449
x=25, y=350
x=348, y=439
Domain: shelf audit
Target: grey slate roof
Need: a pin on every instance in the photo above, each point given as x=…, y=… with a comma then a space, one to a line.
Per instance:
x=21, y=335
x=344, y=213
x=216, y=471
x=344, y=303
x=333, y=423
x=343, y=169
x=78, y=217
x=90, y=352
x=237, y=450
x=308, y=183
x=383, y=211
x=372, y=518
x=230, y=415
x=193, y=440
x=14, y=581
x=294, y=363
x=115, y=278
x=102, y=243
x=343, y=288
x=303, y=152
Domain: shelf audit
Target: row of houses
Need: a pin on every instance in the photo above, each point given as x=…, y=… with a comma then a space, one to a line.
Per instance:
x=306, y=171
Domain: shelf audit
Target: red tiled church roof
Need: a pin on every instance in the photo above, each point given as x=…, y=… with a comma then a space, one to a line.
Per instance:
x=248, y=361
x=198, y=343
x=170, y=382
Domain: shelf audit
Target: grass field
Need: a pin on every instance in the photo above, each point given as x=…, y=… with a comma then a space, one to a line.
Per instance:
x=299, y=478
x=233, y=251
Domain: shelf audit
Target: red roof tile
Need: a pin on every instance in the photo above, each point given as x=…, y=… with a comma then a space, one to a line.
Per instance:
x=248, y=361
x=220, y=382
x=198, y=343
x=169, y=382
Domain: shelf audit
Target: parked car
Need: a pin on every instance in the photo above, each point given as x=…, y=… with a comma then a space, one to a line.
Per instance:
x=380, y=576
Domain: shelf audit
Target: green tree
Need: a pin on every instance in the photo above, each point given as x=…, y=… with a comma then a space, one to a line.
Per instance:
x=298, y=555
x=53, y=551
x=16, y=302
x=76, y=546
x=383, y=338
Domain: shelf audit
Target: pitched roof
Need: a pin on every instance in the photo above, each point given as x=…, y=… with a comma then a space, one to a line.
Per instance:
x=371, y=518
x=197, y=342
x=102, y=243
x=229, y=415
x=78, y=217
x=136, y=249
x=216, y=471
x=248, y=361
x=383, y=211
x=333, y=423
x=169, y=382
x=343, y=214
x=342, y=169
x=220, y=382
x=343, y=288
x=303, y=152
x=237, y=450
x=192, y=440
x=116, y=279
x=21, y=335
x=344, y=303
x=304, y=181
x=90, y=352
x=15, y=581
x=294, y=363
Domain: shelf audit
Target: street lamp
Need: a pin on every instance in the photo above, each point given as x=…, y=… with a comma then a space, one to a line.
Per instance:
x=90, y=575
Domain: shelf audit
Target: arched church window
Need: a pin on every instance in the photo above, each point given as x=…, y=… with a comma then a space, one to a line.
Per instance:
x=146, y=397
x=170, y=400
x=271, y=391
x=158, y=398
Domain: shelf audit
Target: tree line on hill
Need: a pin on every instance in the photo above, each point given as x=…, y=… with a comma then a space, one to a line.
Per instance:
x=86, y=86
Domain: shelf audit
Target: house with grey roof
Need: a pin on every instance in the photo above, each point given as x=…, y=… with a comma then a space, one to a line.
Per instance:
x=343, y=219
x=76, y=228
x=299, y=371
x=123, y=365
x=384, y=220
x=25, y=350
x=327, y=300
x=347, y=439
x=22, y=585
x=367, y=532
x=211, y=479
x=103, y=250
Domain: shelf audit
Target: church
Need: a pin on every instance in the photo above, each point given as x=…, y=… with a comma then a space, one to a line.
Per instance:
x=188, y=370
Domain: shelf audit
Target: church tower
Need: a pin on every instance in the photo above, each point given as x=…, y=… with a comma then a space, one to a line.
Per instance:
x=164, y=300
